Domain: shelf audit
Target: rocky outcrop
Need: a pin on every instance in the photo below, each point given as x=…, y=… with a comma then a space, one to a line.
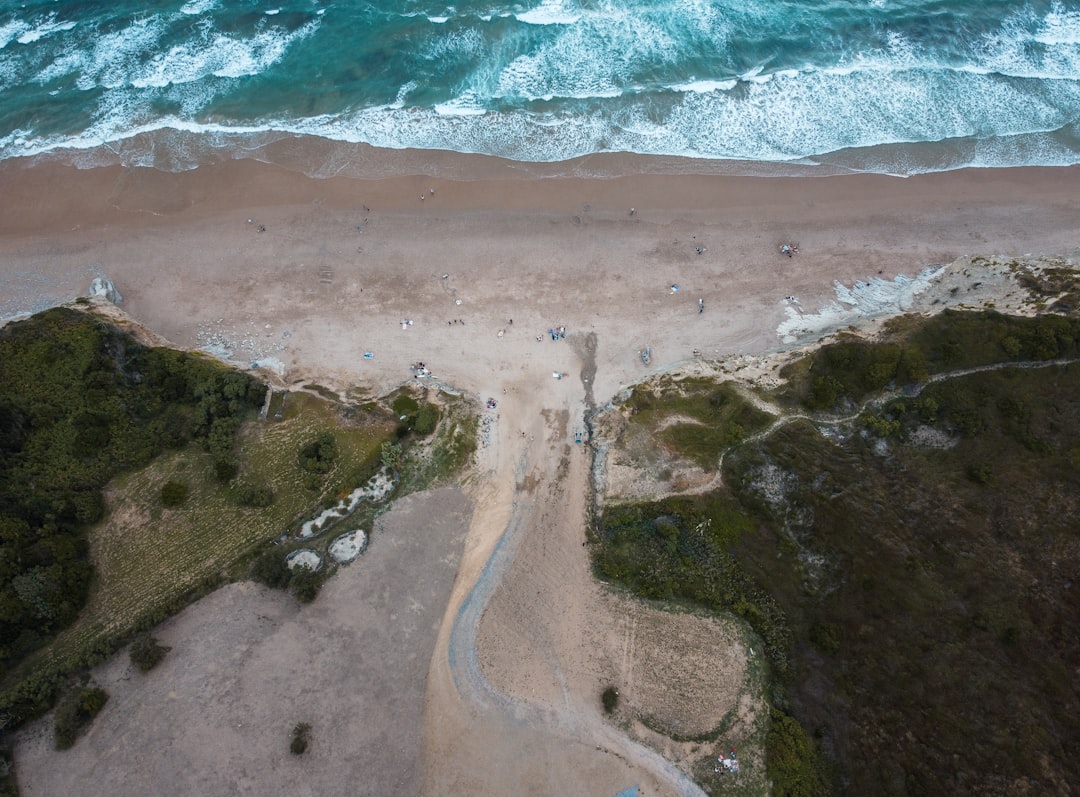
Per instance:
x=102, y=286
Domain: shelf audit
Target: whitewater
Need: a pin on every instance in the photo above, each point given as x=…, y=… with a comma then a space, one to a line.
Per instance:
x=893, y=86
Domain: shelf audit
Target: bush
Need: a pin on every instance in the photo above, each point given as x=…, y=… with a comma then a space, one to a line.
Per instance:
x=270, y=569
x=791, y=760
x=404, y=405
x=75, y=712
x=173, y=494
x=305, y=584
x=426, y=419
x=255, y=495
x=225, y=470
x=301, y=738
x=146, y=652
x=319, y=455
x=610, y=699
x=389, y=454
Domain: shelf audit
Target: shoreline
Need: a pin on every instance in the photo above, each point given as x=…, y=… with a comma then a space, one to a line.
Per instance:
x=42, y=188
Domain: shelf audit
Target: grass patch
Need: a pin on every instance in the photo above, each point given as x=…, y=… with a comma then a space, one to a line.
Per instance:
x=448, y=452
x=696, y=418
x=149, y=563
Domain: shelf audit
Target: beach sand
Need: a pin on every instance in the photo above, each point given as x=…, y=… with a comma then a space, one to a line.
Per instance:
x=306, y=275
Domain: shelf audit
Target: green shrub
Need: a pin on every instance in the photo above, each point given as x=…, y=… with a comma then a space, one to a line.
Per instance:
x=610, y=699
x=301, y=738
x=225, y=470
x=74, y=713
x=426, y=419
x=319, y=455
x=404, y=405
x=173, y=494
x=305, y=584
x=791, y=760
x=255, y=495
x=270, y=569
x=146, y=652
x=390, y=454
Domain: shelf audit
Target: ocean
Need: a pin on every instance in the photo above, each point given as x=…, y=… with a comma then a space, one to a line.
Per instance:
x=891, y=86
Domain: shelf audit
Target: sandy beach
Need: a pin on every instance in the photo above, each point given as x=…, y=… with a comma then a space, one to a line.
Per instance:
x=303, y=276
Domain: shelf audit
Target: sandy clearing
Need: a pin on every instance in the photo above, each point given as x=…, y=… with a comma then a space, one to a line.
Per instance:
x=248, y=663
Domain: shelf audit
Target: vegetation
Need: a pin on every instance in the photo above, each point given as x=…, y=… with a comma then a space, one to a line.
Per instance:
x=696, y=418
x=906, y=572
x=609, y=698
x=149, y=563
x=147, y=653
x=414, y=416
x=75, y=712
x=301, y=738
x=445, y=454
x=80, y=402
x=846, y=372
x=305, y=584
x=173, y=494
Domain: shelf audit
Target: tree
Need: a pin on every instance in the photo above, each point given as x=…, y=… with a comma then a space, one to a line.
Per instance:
x=270, y=569
x=305, y=584
x=75, y=712
x=146, y=652
x=173, y=494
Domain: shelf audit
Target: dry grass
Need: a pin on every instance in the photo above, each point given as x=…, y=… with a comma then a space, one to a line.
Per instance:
x=147, y=558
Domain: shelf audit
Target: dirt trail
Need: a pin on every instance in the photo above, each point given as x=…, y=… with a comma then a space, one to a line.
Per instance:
x=513, y=702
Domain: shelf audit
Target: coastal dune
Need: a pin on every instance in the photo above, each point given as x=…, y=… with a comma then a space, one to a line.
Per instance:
x=467, y=271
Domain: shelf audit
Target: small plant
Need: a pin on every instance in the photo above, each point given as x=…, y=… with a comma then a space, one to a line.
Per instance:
x=75, y=712
x=173, y=494
x=146, y=652
x=610, y=699
x=301, y=738
x=389, y=454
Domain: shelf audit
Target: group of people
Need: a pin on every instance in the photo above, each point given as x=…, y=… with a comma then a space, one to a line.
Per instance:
x=555, y=332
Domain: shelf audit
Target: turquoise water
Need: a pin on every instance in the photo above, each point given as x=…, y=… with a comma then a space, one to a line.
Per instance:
x=896, y=86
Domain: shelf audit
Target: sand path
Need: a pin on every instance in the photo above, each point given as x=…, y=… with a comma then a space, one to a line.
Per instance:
x=513, y=698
